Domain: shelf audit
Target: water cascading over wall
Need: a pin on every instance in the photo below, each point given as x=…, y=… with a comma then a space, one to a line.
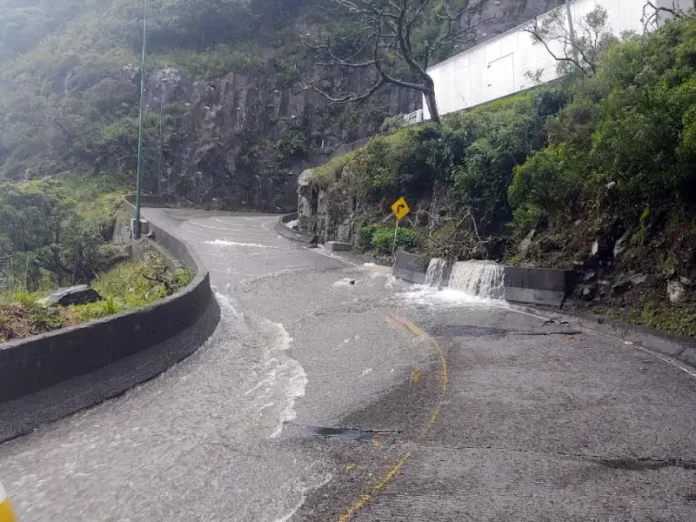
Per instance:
x=437, y=270
x=478, y=278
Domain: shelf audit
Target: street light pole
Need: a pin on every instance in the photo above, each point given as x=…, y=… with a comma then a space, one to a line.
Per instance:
x=138, y=189
x=571, y=29
x=161, y=151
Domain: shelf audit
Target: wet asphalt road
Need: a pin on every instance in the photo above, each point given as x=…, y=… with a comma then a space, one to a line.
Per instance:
x=458, y=409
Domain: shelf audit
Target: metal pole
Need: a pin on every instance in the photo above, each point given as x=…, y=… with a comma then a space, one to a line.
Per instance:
x=161, y=152
x=396, y=232
x=571, y=29
x=138, y=189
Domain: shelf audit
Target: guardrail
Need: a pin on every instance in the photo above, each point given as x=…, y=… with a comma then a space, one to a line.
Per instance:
x=50, y=376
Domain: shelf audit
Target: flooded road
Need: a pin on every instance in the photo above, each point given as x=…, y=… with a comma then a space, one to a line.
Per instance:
x=330, y=391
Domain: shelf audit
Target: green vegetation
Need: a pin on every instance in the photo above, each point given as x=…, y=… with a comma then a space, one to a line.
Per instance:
x=48, y=239
x=127, y=286
x=525, y=161
x=675, y=319
x=599, y=159
x=631, y=123
x=468, y=162
x=381, y=239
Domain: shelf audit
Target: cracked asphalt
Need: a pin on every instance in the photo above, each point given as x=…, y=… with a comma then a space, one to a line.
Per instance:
x=332, y=392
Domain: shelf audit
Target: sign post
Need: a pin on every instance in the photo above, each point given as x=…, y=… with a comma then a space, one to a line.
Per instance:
x=400, y=210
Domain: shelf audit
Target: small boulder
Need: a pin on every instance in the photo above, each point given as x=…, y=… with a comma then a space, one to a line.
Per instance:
x=638, y=279
x=588, y=277
x=74, y=295
x=621, y=287
x=676, y=291
x=589, y=292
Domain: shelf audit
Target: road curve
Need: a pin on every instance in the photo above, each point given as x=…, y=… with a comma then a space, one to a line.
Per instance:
x=458, y=409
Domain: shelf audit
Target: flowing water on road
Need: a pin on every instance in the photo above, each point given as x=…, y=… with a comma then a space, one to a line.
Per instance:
x=207, y=425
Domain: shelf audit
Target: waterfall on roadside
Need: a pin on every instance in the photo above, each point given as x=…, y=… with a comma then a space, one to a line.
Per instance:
x=478, y=278
x=436, y=272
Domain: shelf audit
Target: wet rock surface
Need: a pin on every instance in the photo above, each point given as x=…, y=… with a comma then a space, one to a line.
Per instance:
x=74, y=295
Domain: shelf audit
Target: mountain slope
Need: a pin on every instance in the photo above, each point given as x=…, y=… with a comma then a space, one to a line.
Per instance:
x=237, y=126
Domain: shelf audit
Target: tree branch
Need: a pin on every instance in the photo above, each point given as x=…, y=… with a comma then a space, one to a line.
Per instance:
x=537, y=35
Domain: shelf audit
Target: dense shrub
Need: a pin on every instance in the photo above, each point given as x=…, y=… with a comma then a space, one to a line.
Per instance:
x=472, y=155
x=383, y=239
x=393, y=166
x=501, y=137
x=546, y=182
x=631, y=124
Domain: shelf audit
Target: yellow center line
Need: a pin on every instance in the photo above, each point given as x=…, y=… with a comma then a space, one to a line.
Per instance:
x=365, y=498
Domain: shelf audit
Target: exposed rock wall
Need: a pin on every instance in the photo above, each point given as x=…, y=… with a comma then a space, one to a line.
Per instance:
x=243, y=139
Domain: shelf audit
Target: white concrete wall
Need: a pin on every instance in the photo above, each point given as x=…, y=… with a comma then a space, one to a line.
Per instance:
x=499, y=66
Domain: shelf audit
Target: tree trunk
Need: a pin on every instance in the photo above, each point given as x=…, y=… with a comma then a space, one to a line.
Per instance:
x=432, y=106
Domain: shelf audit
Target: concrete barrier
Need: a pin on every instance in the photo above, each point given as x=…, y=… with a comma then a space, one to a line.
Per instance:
x=522, y=285
x=50, y=376
x=289, y=233
x=337, y=246
x=411, y=267
x=538, y=286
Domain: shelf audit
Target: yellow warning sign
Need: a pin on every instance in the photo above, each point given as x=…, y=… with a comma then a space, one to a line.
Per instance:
x=400, y=209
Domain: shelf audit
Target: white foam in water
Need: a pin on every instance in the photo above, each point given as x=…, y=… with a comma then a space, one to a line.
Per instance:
x=346, y=281
x=436, y=272
x=297, y=377
x=428, y=295
x=478, y=278
x=470, y=283
x=222, y=242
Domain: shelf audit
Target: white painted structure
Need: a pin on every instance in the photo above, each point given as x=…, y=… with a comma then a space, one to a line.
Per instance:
x=414, y=117
x=503, y=65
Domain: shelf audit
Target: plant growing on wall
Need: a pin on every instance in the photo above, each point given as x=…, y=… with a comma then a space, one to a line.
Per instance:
x=396, y=40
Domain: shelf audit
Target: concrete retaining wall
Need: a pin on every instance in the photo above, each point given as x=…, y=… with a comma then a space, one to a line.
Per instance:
x=411, y=267
x=538, y=286
x=53, y=375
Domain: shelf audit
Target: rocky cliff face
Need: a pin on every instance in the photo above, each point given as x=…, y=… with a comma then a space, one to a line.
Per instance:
x=244, y=139
x=230, y=139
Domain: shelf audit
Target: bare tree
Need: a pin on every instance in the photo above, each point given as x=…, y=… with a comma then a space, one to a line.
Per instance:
x=387, y=36
x=653, y=14
x=574, y=53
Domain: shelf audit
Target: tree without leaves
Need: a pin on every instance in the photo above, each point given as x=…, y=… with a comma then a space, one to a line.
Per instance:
x=653, y=14
x=387, y=36
x=574, y=55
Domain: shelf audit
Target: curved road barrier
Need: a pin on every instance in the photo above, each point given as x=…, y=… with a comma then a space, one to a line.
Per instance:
x=50, y=376
x=289, y=233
